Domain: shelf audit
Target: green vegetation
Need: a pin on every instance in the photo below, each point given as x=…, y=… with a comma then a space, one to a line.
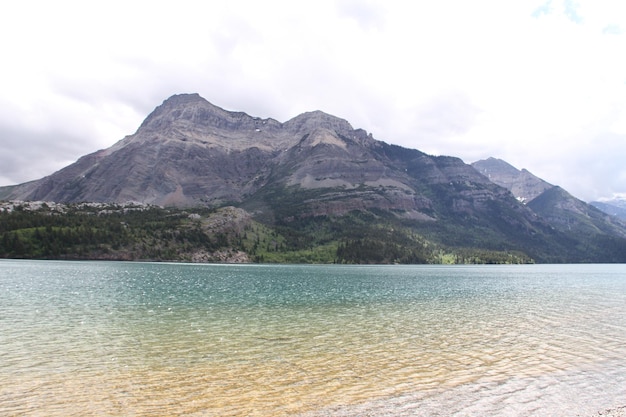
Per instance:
x=134, y=232
x=365, y=237
x=102, y=232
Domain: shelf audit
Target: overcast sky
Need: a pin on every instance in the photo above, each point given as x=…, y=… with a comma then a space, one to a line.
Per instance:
x=540, y=84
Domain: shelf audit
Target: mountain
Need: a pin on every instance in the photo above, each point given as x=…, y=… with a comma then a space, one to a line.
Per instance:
x=185, y=152
x=564, y=211
x=615, y=207
x=553, y=204
x=524, y=185
x=321, y=185
x=189, y=152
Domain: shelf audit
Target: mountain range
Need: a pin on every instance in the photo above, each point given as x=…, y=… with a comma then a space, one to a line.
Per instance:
x=317, y=182
x=614, y=206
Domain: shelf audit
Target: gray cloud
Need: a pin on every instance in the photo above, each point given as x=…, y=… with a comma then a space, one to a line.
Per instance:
x=601, y=172
x=26, y=156
x=448, y=114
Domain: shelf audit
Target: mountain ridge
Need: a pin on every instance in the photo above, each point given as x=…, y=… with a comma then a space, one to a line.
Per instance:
x=615, y=207
x=314, y=179
x=562, y=210
x=522, y=183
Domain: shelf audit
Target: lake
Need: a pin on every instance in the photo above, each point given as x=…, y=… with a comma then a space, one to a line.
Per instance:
x=156, y=339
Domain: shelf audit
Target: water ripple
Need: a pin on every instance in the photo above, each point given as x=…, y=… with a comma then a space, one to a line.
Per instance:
x=142, y=339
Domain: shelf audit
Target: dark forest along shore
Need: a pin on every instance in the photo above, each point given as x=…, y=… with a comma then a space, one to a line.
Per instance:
x=112, y=338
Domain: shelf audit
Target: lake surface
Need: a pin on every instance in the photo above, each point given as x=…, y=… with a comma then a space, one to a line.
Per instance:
x=147, y=339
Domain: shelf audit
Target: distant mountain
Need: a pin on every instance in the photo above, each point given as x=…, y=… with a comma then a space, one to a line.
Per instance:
x=323, y=186
x=524, y=185
x=552, y=203
x=615, y=207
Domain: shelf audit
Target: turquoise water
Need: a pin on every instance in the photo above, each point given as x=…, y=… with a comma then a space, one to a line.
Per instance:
x=145, y=339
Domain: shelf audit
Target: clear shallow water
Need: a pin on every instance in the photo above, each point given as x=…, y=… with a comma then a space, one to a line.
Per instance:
x=95, y=338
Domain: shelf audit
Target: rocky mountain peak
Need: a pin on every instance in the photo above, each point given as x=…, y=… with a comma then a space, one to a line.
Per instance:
x=184, y=99
x=494, y=166
x=317, y=119
x=191, y=111
x=523, y=184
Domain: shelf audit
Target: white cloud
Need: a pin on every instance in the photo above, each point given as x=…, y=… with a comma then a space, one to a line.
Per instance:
x=540, y=84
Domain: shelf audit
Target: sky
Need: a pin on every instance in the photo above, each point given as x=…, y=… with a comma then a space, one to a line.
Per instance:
x=540, y=84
